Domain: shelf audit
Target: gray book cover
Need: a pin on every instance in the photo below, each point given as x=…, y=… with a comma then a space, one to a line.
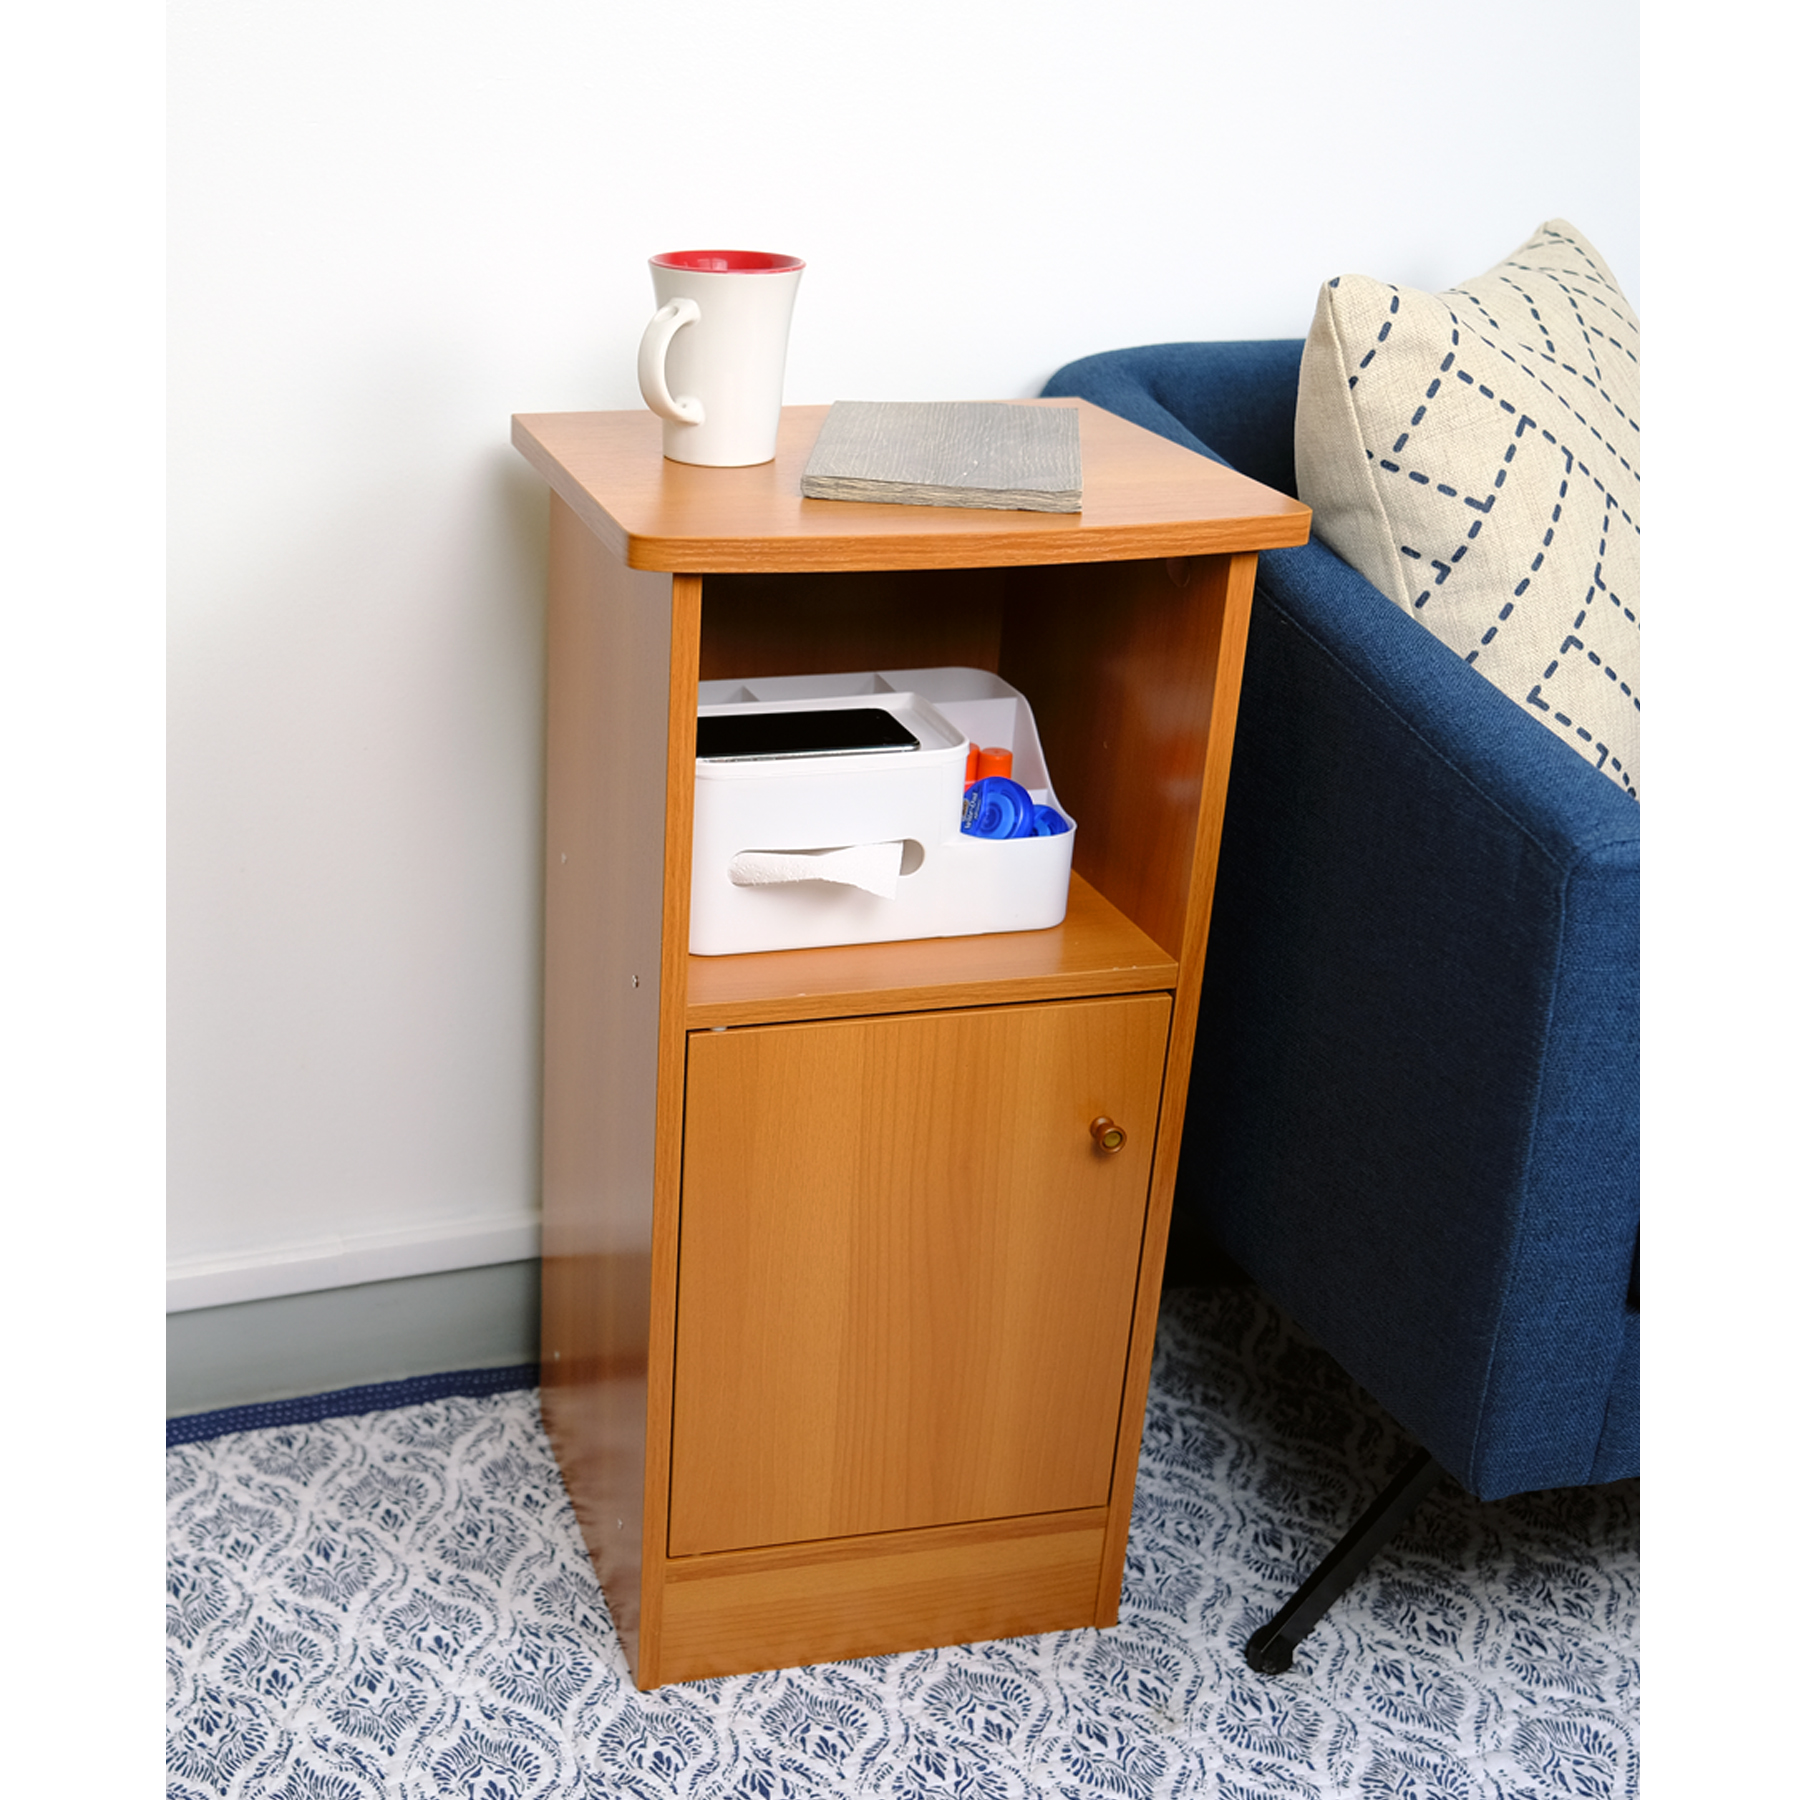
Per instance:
x=948, y=453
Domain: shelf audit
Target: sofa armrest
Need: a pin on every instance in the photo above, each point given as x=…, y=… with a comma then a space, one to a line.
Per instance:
x=1413, y=1116
x=1233, y=402
x=1414, y=1113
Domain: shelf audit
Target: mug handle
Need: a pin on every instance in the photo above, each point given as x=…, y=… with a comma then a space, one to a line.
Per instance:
x=653, y=380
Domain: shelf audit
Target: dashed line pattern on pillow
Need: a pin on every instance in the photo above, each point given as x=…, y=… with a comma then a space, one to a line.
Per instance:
x=1419, y=409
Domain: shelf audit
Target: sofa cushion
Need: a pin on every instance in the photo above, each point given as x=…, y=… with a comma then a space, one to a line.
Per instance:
x=1474, y=454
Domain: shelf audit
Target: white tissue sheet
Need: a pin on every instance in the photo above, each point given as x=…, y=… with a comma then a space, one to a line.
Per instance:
x=875, y=868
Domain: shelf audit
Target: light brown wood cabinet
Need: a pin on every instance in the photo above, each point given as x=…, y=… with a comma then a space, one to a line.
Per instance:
x=847, y=1313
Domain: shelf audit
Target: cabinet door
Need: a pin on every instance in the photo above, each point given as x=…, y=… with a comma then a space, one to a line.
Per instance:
x=907, y=1268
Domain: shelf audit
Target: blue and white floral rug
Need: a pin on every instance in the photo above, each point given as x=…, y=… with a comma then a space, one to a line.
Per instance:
x=399, y=1605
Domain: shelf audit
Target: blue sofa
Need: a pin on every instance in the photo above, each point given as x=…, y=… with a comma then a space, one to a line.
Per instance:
x=1413, y=1116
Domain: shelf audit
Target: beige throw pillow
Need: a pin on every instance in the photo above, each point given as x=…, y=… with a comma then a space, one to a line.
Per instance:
x=1474, y=454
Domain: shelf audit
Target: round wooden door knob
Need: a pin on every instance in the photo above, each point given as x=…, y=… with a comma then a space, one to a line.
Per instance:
x=1107, y=1135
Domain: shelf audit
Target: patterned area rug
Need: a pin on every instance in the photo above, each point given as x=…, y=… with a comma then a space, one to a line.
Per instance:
x=399, y=1605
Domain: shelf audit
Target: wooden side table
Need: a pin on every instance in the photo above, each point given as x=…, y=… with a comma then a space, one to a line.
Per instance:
x=847, y=1315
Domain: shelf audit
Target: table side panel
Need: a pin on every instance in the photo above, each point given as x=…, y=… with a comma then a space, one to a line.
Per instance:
x=1120, y=662
x=1229, y=585
x=671, y=1099
x=606, y=730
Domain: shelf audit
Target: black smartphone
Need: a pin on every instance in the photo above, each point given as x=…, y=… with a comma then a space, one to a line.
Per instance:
x=830, y=731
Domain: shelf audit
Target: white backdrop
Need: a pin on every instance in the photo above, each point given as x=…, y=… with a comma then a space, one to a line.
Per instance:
x=393, y=224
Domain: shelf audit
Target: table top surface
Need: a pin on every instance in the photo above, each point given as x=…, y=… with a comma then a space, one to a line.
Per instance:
x=1142, y=496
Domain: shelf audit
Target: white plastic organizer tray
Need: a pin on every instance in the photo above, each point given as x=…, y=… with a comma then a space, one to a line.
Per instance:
x=865, y=849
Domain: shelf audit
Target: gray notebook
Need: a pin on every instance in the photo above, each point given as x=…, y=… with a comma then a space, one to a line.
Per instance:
x=948, y=453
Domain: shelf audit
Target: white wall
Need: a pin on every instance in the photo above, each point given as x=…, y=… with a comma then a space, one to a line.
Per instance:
x=393, y=224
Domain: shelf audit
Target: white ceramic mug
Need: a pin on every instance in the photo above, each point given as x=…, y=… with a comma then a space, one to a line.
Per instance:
x=712, y=358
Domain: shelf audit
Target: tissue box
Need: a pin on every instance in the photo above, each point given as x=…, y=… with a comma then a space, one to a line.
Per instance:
x=865, y=849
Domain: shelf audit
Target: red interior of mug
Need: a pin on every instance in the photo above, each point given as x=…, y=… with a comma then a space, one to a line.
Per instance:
x=728, y=262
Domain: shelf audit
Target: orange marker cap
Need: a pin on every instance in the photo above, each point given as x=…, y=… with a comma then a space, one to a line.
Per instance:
x=971, y=770
x=994, y=761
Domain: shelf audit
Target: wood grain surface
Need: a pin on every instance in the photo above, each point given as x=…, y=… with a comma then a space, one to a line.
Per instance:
x=901, y=1399
x=1141, y=496
x=607, y=708
x=1121, y=664
x=1095, y=950
x=827, y=623
x=1220, y=590
x=907, y=1272
x=904, y=1590
x=671, y=1063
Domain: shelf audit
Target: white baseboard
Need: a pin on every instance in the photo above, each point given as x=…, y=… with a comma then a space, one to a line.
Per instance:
x=345, y=1261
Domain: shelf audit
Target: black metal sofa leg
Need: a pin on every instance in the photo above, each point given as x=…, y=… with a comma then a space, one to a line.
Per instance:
x=1271, y=1648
